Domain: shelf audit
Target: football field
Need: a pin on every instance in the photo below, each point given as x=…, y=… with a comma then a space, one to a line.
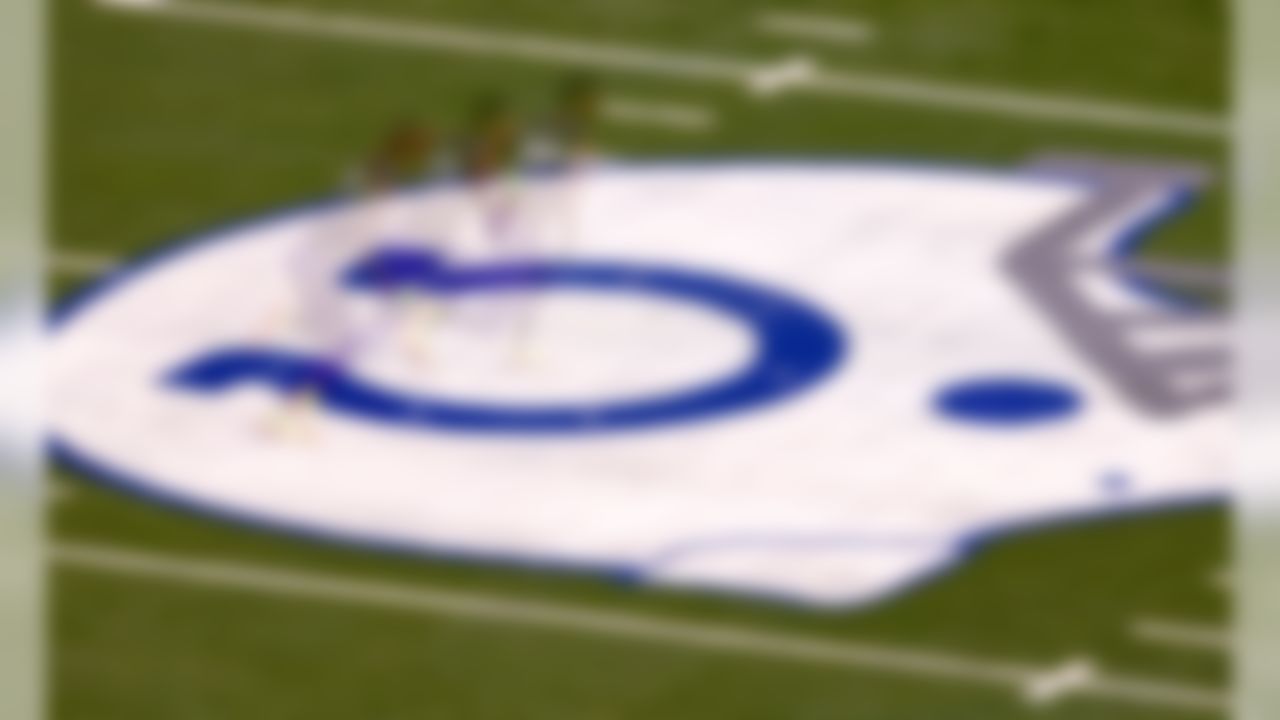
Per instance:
x=175, y=116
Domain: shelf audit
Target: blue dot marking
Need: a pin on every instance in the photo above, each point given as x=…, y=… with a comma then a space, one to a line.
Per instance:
x=1007, y=401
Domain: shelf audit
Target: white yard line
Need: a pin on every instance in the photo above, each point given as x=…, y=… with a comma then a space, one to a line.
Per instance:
x=661, y=114
x=820, y=28
x=1022, y=678
x=83, y=264
x=1073, y=675
x=1078, y=111
x=786, y=75
x=668, y=62
x=1178, y=634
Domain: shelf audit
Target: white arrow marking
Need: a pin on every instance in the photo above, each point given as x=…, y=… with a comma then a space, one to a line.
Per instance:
x=1072, y=676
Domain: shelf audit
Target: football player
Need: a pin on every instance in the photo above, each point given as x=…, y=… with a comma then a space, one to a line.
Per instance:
x=334, y=327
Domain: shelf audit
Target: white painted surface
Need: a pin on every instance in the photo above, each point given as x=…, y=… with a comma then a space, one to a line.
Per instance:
x=843, y=494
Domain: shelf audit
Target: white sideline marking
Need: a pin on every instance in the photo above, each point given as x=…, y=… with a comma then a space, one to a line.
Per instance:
x=1181, y=634
x=277, y=582
x=77, y=263
x=674, y=116
x=822, y=28
x=792, y=72
x=668, y=62
x=1072, y=676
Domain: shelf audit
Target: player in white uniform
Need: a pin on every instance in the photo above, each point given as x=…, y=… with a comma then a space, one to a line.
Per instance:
x=558, y=150
x=489, y=157
x=562, y=149
x=334, y=324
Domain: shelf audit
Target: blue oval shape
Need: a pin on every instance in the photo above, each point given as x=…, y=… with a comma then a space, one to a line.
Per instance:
x=797, y=346
x=1007, y=401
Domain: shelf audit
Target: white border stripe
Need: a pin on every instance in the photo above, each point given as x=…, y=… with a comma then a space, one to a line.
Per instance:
x=1179, y=634
x=774, y=646
x=821, y=28
x=672, y=63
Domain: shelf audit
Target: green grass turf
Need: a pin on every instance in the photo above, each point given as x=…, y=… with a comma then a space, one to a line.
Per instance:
x=1130, y=50
x=164, y=128
x=155, y=651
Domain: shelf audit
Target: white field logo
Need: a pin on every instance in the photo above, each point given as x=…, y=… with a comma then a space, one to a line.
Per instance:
x=812, y=382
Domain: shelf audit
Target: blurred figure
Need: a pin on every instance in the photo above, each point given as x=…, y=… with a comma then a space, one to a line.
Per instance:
x=335, y=329
x=570, y=128
x=563, y=149
x=558, y=150
x=489, y=158
x=497, y=152
x=496, y=225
